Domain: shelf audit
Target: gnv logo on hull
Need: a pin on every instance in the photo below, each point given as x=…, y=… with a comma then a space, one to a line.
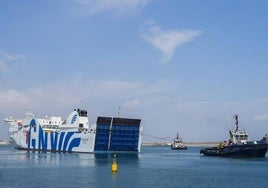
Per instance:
x=58, y=141
x=74, y=119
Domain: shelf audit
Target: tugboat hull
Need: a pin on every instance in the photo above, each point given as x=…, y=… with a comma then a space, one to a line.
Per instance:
x=257, y=150
x=178, y=148
x=239, y=146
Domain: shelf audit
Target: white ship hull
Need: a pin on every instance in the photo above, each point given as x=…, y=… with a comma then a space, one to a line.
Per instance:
x=72, y=135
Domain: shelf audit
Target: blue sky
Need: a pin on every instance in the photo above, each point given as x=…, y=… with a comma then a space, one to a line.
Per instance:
x=182, y=66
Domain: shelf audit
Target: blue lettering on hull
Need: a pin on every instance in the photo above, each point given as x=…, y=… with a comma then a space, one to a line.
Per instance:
x=67, y=138
x=58, y=141
x=53, y=141
x=42, y=144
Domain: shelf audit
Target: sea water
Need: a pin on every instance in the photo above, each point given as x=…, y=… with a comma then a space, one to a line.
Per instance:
x=155, y=166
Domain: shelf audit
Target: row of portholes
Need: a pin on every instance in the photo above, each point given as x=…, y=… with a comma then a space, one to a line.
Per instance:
x=52, y=122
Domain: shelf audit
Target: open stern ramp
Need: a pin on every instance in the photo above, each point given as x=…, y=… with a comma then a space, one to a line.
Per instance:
x=118, y=134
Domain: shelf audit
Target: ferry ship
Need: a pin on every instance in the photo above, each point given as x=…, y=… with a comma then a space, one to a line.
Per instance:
x=109, y=134
x=238, y=145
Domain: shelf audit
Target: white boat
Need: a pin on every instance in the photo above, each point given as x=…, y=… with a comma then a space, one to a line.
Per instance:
x=74, y=133
x=177, y=144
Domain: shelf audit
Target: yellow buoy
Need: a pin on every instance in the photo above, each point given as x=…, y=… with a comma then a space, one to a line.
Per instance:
x=114, y=165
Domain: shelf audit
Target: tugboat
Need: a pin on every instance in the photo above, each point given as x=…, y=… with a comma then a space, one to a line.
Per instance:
x=177, y=144
x=238, y=145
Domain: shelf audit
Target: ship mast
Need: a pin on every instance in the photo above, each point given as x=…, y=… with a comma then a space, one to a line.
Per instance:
x=236, y=122
x=118, y=111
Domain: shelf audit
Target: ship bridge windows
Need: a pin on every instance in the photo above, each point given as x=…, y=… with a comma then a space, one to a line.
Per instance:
x=241, y=137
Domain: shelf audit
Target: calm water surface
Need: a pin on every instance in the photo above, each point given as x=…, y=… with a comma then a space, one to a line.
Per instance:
x=153, y=167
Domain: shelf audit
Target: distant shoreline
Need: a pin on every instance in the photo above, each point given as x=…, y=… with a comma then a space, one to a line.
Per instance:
x=193, y=144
